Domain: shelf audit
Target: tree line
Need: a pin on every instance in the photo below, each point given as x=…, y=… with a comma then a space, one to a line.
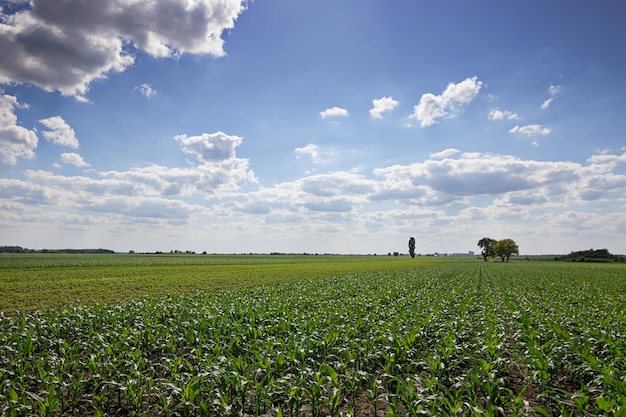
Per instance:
x=19, y=249
x=591, y=255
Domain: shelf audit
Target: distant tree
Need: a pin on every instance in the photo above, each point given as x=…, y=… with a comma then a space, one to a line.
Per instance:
x=505, y=248
x=487, y=244
x=412, y=247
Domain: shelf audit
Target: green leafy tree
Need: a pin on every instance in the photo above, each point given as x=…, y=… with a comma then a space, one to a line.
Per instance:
x=505, y=248
x=487, y=244
x=412, y=247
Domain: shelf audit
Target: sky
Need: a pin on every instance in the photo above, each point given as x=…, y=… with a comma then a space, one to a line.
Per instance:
x=317, y=126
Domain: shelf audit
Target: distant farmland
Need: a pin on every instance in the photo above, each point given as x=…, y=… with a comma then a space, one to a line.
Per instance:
x=35, y=281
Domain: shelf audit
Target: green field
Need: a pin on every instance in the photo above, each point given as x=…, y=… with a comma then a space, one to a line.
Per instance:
x=36, y=281
x=315, y=336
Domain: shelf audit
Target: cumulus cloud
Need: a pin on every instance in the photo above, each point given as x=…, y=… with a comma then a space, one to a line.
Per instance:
x=605, y=161
x=204, y=180
x=432, y=107
x=74, y=159
x=146, y=90
x=381, y=105
x=15, y=141
x=336, y=184
x=315, y=195
x=497, y=114
x=554, y=91
x=82, y=186
x=330, y=205
x=64, y=46
x=463, y=175
x=334, y=112
x=152, y=191
x=218, y=169
x=174, y=212
x=457, y=189
x=210, y=147
x=24, y=192
x=524, y=198
x=117, y=201
x=596, y=187
x=60, y=132
x=446, y=177
x=311, y=150
x=489, y=185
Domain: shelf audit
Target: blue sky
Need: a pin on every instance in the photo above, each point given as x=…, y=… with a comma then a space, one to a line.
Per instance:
x=312, y=126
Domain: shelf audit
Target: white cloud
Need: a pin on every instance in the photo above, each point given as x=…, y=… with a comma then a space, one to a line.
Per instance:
x=547, y=103
x=206, y=179
x=336, y=184
x=554, y=91
x=174, y=212
x=446, y=153
x=146, y=90
x=60, y=132
x=605, y=161
x=218, y=170
x=523, y=197
x=334, y=112
x=316, y=198
x=210, y=147
x=74, y=159
x=15, y=141
x=83, y=187
x=330, y=205
x=597, y=187
x=446, y=177
x=64, y=46
x=381, y=105
x=98, y=201
x=432, y=107
x=25, y=192
x=311, y=150
x=467, y=175
x=531, y=130
x=497, y=114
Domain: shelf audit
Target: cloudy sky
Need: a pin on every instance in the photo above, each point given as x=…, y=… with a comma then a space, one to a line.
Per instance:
x=312, y=125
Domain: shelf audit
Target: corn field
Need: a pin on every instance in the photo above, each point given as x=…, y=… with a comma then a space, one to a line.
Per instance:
x=464, y=338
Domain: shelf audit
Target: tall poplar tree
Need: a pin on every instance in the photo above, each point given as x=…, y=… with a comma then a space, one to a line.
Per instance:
x=412, y=247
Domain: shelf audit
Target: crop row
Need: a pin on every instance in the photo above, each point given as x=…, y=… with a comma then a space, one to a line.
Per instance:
x=466, y=338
